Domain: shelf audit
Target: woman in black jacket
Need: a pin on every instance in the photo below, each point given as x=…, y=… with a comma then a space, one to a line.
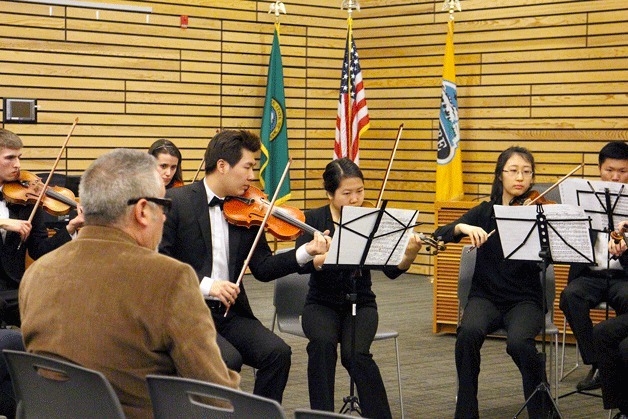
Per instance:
x=327, y=314
x=504, y=293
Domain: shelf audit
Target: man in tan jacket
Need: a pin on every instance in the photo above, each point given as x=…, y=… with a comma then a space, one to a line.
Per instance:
x=108, y=301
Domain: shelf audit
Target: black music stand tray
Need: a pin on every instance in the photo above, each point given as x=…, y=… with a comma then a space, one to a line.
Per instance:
x=541, y=225
x=384, y=225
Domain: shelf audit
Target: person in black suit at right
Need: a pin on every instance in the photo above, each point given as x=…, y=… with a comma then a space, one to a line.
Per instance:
x=587, y=286
x=610, y=339
x=197, y=233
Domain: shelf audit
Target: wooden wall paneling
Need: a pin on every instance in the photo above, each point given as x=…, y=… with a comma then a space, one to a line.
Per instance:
x=530, y=72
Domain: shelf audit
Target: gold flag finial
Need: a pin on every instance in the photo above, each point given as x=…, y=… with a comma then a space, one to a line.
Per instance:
x=277, y=7
x=452, y=5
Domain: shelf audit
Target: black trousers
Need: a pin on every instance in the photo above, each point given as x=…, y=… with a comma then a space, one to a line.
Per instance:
x=581, y=295
x=522, y=323
x=611, y=340
x=246, y=340
x=325, y=327
x=9, y=309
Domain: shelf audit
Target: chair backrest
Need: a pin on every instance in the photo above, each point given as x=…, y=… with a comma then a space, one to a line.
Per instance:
x=289, y=300
x=465, y=274
x=317, y=414
x=176, y=397
x=290, y=294
x=47, y=387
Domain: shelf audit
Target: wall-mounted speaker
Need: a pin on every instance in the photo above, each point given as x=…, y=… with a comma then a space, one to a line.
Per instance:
x=19, y=111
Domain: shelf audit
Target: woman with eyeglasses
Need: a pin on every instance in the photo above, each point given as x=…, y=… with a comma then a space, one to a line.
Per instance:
x=169, y=162
x=504, y=293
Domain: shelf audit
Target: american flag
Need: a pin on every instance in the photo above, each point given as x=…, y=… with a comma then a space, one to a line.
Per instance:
x=353, y=115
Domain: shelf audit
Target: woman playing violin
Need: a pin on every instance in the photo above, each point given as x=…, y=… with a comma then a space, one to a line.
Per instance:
x=327, y=313
x=15, y=229
x=168, y=162
x=504, y=293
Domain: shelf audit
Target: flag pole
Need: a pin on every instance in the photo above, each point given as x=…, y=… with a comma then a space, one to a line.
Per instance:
x=350, y=5
x=277, y=8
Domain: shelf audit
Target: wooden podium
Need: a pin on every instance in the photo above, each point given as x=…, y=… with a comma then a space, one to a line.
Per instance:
x=446, y=267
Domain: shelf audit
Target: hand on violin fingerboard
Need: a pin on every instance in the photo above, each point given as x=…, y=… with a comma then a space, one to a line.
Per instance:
x=77, y=222
x=319, y=244
x=617, y=244
x=21, y=227
x=414, y=245
x=616, y=248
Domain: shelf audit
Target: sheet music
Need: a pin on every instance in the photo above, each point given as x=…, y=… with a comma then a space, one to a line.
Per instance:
x=577, y=192
x=391, y=238
x=567, y=226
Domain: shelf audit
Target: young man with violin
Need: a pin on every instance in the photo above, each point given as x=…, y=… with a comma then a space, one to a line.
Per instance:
x=18, y=234
x=196, y=232
x=588, y=286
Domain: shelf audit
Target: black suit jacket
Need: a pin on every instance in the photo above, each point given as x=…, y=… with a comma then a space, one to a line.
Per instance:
x=38, y=242
x=187, y=237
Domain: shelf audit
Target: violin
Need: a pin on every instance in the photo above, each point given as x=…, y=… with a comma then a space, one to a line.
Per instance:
x=530, y=197
x=27, y=189
x=175, y=184
x=285, y=223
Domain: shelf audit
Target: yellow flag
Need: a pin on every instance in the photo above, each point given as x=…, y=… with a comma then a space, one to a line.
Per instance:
x=449, y=161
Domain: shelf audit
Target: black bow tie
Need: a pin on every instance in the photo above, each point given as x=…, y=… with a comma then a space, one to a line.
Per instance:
x=216, y=201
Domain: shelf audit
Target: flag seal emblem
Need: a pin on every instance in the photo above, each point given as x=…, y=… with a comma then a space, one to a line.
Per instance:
x=276, y=119
x=449, y=132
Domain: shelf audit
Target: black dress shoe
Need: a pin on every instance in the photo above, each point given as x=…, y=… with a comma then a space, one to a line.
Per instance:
x=591, y=381
x=620, y=415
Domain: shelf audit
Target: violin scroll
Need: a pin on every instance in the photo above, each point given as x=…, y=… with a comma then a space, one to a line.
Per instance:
x=621, y=234
x=432, y=245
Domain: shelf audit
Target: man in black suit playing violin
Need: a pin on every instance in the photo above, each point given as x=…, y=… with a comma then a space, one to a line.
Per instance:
x=196, y=232
x=588, y=286
x=15, y=229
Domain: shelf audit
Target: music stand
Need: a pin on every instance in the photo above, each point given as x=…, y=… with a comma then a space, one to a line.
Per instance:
x=601, y=200
x=378, y=237
x=558, y=230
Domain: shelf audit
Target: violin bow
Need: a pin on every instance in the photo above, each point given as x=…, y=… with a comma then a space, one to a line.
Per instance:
x=390, y=162
x=54, y=166
x=198, y=170
x=558, y=182
x=548, y=190
x=202, y=161
x=269, y=211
